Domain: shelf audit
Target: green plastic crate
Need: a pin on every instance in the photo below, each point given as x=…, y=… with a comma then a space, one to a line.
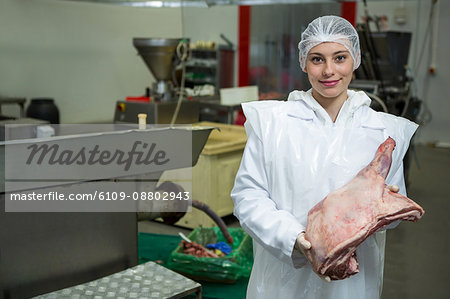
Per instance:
x=225, y=269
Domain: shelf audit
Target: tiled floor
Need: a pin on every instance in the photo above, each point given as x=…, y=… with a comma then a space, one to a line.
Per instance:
x=417, y=254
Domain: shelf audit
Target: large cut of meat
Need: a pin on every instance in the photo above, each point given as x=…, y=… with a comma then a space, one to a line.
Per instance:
x=347, y=216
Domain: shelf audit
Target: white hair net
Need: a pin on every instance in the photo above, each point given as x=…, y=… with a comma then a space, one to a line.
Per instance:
x=330, y=29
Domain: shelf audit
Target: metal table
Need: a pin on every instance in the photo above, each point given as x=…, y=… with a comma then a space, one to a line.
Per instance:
x=148, y=280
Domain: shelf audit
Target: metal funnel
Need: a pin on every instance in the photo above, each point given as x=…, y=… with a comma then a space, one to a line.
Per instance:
x=157, y=54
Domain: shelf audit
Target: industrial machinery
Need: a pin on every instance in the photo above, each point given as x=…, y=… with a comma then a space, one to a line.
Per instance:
x=383, y=71
x=159, y=54
x=164, y=100
x=43, y=252
x=50, y=250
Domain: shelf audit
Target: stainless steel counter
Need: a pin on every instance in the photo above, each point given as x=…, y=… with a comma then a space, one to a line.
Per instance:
x=148, y=280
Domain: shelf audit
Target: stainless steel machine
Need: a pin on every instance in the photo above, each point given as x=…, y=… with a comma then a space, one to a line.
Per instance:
x=161, y=56
x=47, y=251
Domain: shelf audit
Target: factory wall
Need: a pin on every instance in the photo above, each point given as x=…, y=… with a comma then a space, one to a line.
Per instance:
x=432, y=89
x=81, y=54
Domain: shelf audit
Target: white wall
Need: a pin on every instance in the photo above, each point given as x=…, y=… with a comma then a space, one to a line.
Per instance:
x=432, y=89
x=81, y=54
x=208, y=23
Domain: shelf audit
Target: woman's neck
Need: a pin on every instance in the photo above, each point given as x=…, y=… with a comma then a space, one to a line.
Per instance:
x=331, y=105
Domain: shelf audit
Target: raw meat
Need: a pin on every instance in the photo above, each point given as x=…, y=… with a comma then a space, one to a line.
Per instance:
x=347, y=216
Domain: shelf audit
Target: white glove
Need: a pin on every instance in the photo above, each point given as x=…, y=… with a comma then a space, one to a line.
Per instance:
x=303, y=245
x=393, y=188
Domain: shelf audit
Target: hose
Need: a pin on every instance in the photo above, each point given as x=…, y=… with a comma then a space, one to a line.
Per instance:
x=378, y=100
x=182, y=54
x=222, y=226
x=170, y=217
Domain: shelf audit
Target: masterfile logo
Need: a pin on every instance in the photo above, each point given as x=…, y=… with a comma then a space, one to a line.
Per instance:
x=93, y=167
x=141, y=153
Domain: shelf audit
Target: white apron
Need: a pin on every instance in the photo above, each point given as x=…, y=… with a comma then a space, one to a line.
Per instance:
x=294, y=157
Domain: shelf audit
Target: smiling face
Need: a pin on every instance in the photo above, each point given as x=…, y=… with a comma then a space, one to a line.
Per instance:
x=330, y=68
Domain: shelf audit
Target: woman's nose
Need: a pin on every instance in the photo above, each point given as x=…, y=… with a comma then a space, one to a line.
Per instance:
x=328, y=69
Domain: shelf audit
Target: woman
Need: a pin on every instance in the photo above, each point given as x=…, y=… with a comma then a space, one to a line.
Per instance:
x=299, y=151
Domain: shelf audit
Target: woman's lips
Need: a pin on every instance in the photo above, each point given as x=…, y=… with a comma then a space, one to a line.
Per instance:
x=329, y=83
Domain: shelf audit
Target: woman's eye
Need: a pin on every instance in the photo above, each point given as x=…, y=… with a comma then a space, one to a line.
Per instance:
x=316, y=59
x=340, y=58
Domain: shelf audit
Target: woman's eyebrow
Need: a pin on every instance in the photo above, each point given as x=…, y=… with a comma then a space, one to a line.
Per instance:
x=335, y=53
x=315, y=53
x=340, y=52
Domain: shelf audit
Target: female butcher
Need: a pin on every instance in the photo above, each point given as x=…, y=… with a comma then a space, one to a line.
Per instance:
x=300, y=150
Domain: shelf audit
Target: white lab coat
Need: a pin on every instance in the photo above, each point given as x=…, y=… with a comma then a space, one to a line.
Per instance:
x=295, y=155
